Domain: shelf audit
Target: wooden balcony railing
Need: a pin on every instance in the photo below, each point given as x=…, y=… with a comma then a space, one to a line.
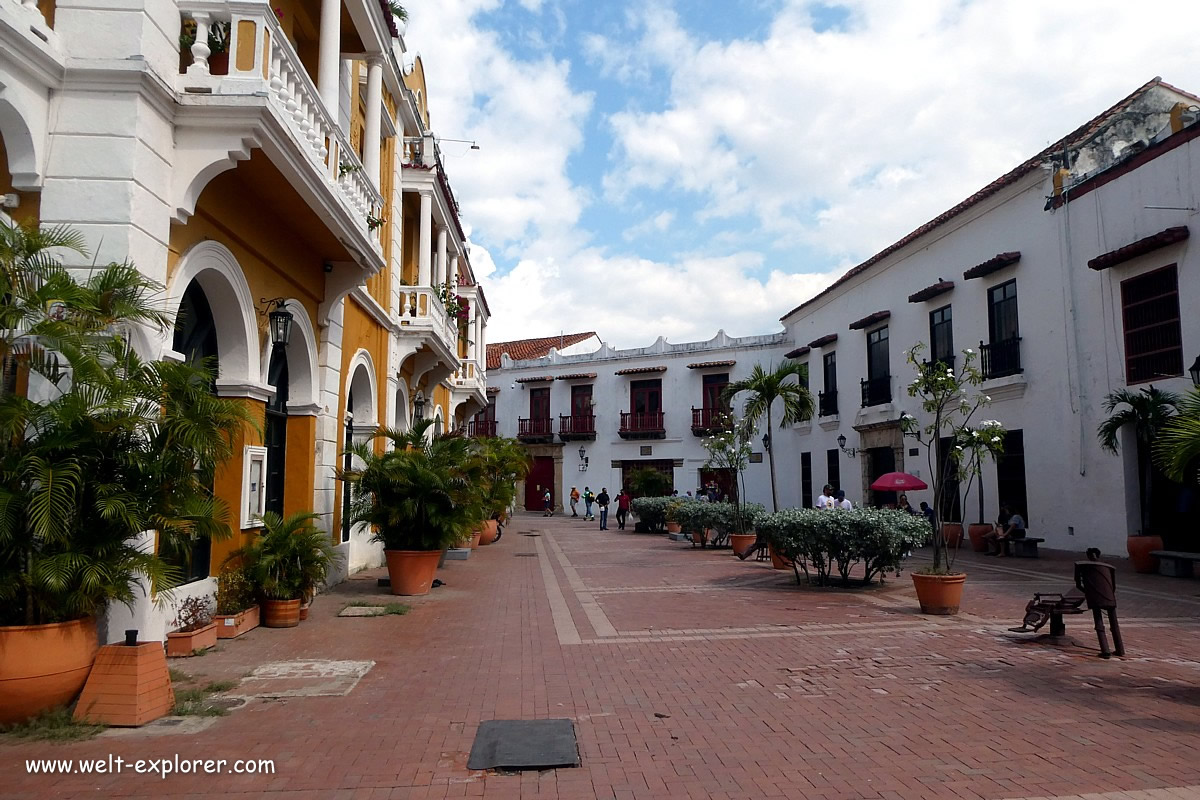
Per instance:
x=1000, y=358
x=710, y=420
x=481, y=428
x=577, y=426
x=537, y=428
x=642, y=426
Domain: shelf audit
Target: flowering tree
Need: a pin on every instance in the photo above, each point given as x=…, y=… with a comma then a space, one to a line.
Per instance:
x=730, y=450
x=951, y=402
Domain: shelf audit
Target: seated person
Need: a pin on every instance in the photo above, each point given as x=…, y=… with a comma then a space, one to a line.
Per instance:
x=1009, y=525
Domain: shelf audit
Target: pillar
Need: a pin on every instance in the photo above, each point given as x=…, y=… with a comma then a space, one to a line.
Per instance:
x=329, y=56
x=371, y=129
x=423, y=277
x=441, y=276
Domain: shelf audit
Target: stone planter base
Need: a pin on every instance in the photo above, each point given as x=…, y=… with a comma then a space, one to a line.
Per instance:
x=183, y=644
x=231, y=626
x=128, y=686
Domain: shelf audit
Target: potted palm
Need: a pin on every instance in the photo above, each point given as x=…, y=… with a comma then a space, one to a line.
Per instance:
x=503, y=462
x=1146, y=412
x=950, y=400
x=419, y=498
x=1177, y=448
x=287, y=561
x=121, y=446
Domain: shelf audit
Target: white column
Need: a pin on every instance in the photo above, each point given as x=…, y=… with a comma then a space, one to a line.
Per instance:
x=472, y=327
x=425, y=239
x=452, y=275
x=371, y=129
x=329, y=56
x=441, y=256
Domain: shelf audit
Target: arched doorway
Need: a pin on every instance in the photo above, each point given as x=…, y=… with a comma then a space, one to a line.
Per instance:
x=275, y=429
x=196, y=340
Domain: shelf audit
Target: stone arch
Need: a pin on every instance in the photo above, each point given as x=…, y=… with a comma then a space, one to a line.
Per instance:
x=303, y=394
x=216, y=270
x=23, y=157
x=401, y=421
x=361, y=387
x=204, y=156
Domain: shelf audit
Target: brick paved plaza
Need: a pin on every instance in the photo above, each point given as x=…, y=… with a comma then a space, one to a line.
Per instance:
x=690, y=674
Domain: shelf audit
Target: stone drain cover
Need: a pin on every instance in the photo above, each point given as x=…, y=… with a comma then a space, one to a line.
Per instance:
x=524, y=744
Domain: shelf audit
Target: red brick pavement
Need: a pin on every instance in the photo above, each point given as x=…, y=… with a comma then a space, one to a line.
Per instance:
x=691, y=674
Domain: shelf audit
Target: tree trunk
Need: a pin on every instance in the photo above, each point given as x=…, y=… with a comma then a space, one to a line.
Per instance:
x=771, y=462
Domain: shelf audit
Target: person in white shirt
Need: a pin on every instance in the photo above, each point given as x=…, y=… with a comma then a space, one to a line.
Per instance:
x=825, y=500
x=840, y=501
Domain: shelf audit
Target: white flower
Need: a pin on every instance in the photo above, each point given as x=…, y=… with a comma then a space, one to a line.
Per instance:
x=975, y=434
x=986, y=398
x=969, y=351
x=958, y=447
x=995, y=438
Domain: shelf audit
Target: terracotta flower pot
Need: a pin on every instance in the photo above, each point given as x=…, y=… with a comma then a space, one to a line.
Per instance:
x=43, y=666
x=976, y=532
x=304, y=611
x=128, y=686
x=699, y=537
x=487, y=533
x=281, y=613
x=1139, y=548
x=183, y=643
x=674, y=527
x=778, y=561
x=411, y=571
x=475, y=538
x=939, y=594
x=231, y=626
x=741, y=542
x=952, y=532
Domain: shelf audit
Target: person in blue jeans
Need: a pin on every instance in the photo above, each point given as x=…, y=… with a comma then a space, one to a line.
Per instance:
x=602, y=501
x=588, y=499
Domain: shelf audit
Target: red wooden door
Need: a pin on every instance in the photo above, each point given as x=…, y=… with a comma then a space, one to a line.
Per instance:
x=540, y=477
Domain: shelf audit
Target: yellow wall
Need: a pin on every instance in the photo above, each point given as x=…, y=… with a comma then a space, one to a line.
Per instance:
x=228, y=486
x=27, y=212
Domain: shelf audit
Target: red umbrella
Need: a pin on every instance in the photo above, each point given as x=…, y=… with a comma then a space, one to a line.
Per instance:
x=898, y=482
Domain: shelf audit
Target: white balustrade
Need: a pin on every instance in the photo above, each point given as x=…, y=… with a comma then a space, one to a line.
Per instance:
x=271, y=67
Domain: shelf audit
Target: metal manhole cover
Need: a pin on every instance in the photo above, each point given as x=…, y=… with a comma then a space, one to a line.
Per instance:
x=524, y=744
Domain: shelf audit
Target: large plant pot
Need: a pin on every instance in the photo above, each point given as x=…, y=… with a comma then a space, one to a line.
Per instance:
x=1140, y=548
x=674, y=527
x=698, y=537
x=411, y=571
x=184, y=643
x=475, y=538
x=741, y=542
x=127, y=686
x=44, y=666
x=939, y=594
x=952, y=532
x=231, y=626
x=778, y=561
x=976, y=533
x=487, y=533
x=281, y=613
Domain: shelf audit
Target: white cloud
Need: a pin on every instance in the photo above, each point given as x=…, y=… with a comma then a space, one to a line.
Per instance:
x=658, y=223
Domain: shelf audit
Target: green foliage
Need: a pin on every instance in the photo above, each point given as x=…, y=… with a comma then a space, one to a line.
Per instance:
x=727, y=518
x=688, y=513
x=398, y=11
x=122, y=446
x=421, y=492
x=1148, y=411
x=1177, y=447
x=55, y=725
x=729, y=451
x=289, y=558
x=235, y=591
x=821, y=543
x=651, y=510
x=503, y=462
x=647, y=482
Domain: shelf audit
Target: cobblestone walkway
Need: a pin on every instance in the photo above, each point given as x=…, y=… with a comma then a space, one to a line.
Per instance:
x=689, y=674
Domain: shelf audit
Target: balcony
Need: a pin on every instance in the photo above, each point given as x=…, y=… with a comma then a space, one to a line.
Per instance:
x=827, y=403
x=258, y=95
x=946, y=361
x=707, y=421
x=481, y=428
x=1000, y=359
x=539, y=430
x=642, y=426
x=422, y=312
x=577, y=426
x=876, y=391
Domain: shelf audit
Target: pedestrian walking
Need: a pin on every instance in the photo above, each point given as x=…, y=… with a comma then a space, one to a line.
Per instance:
x=548, y=502
x=574, y=502
x=602, y=501
x=588, y=499
x=840, y=502
x=623, y=501
x=825, y=499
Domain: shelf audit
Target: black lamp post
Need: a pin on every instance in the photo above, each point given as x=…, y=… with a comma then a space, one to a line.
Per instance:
x=1194, y=371
x=851, y=452
x=279, y=320
x=766, y=440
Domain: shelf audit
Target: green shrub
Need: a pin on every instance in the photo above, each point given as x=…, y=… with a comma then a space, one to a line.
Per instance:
x=824, y=542
x=235, y=591
x=652, y=510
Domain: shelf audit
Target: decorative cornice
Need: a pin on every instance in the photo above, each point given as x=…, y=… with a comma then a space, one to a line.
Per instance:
x=930, y=292
x=993, y=264
x=1140, y=248
x=869, y=319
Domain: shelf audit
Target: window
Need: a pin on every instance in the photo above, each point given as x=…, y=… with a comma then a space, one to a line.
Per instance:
x=941, y=337
x=275, y=430
x=1002, y=355
x=1150, y=317
x=1010, y=474
x=645, y=397
x=833, y=469
x=806, y=495
x=713, y=386
x=581, y=401
x=539, y=403
x=877, y=353
x=827, y=397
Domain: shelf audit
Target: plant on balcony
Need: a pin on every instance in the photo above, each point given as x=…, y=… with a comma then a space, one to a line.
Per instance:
x=950, y=400
x=373, y=221
x=218, y=37
x=120, y=446
x=398, y=11
x=767, y=387
x=458, y=308
x=346, y=168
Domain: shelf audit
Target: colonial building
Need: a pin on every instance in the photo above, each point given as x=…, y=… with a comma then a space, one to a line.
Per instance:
x=257, y=159
x=590, y=414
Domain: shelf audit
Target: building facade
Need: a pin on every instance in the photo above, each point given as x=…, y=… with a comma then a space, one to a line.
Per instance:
x=590, y=414
x=255, y=158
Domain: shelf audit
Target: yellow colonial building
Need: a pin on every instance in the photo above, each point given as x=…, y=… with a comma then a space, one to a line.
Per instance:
x=268, y=163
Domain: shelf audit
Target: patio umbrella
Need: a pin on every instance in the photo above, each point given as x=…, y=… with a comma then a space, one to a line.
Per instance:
x=898, y=482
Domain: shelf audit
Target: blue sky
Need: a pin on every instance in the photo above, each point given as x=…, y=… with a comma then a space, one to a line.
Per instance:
x=673, y=168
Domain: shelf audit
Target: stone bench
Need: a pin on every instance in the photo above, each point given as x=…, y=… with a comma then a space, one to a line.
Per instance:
x=1023, y=548
x=1175, y=564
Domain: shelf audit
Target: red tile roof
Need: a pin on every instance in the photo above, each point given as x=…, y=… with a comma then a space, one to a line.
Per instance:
x=798, y=352
x=706, y=364
x=930, y=292
x=993, y=264
x=1079, y=134
x=575, y=376
x=1139, y=248
x=869, y=319
x=538, y=379
x=525, y=349
x=828, y=338
x=639, y=370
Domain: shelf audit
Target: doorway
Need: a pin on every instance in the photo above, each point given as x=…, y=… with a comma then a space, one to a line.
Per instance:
x=541, y=477
x=880, y=461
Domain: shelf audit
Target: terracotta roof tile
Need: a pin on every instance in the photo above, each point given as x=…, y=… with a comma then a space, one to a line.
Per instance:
x=798, y=352
x=639, y=370
x=525, y=349
x=1139, y=248
x=869, y=319
x=828, y=338
x=1007, y=179
x=996, y=262
x=535, y=379
x=930, y=292
x=575, y=376
x=706, y=364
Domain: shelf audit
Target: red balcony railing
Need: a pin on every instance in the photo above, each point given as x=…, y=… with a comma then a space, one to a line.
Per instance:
x=481, y=427
x=707, y=420
x=536, y=428
x=645, y=426
x=577, y=426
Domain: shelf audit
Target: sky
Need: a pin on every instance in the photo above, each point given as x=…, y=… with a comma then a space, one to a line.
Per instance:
x=652, y=168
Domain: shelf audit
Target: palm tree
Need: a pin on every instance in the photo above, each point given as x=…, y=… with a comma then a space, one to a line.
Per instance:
x=1178, y=445
x=767, y=387
x=1147, y=411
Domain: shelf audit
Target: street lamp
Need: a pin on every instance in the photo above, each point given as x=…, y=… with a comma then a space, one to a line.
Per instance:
x=1194, y=371
x=279, y=321
x=851, y=452
x=419, y=406
x=766, y=440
